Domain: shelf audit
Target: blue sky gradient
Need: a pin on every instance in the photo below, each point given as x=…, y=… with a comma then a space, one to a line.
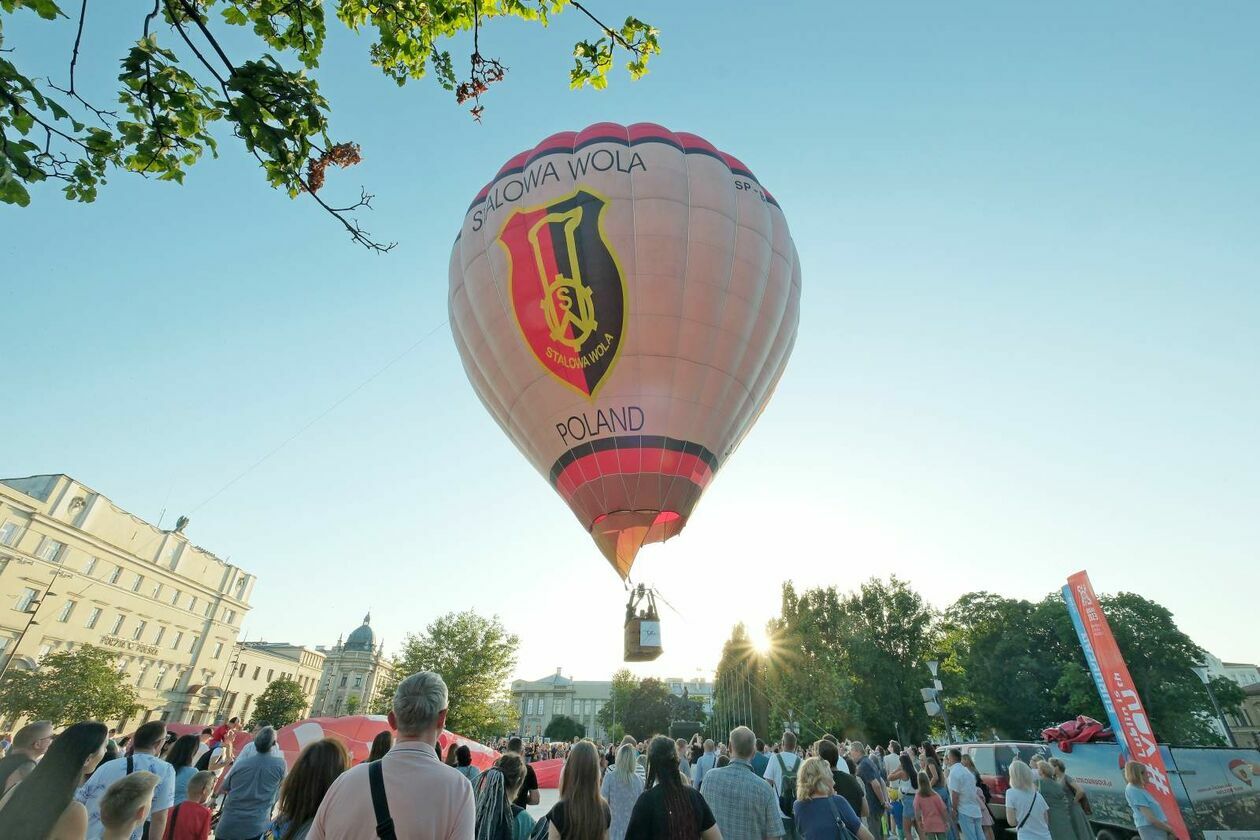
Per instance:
x=1028, y=340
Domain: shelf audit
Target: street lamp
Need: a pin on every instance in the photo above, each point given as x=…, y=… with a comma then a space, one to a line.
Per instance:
x=1201, y=672
x=939, y=694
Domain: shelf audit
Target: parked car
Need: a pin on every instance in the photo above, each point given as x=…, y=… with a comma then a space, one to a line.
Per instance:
x=1218, y=788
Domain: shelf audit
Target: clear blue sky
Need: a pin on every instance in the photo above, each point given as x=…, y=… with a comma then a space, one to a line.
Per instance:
x=1028, y=340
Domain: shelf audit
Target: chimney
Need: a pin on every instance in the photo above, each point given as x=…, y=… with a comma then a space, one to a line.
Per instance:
x=557, y=672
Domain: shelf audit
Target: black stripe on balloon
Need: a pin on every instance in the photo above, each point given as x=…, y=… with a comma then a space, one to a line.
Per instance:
x=632, y=442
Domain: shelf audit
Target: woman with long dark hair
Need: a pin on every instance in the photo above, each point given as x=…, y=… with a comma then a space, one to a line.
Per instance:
x=180, y=756
x=381, y=744
x=46, y=808
x=669, y=809
x=581, y=813
x=304, y=787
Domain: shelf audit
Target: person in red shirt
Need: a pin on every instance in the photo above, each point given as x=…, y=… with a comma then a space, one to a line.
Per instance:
x=222, y=731
x=190, y=819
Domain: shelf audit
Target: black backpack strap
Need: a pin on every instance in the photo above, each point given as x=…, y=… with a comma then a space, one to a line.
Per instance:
x=131, y=764
x=380, y=805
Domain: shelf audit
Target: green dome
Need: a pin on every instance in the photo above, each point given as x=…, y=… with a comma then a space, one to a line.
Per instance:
x=362, y=638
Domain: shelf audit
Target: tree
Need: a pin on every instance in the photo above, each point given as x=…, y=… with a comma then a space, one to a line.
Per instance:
x=352, y=704
x=611, y=714
x=189, y=78
x=1160, y=658
x=1001, y=658
x=739, y=688
x=808, y=677
x=647, y=711
x=564, y=728
x=281, y=703
x=475, y=656
x=70, y=686
x=890, y=634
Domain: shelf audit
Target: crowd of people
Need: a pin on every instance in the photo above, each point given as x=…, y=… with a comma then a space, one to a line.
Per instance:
x=85, y=783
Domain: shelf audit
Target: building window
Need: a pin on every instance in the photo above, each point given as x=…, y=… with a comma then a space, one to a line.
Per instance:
x=157, y=591
x=192, y=648
x=44, y=650
x=192, y=603
x=344, y=677
x=358, y=681
x=175, y=598
x=135, y=635
x=90, y=566
x=529, y=706
x=218, y=649
x=118, y=625
x=48, y=550
x=64, y=615
x=135, y=587
x=8, y=533
x=157, y=637
x=209, y=609
x=179, y=637
x=93, y=617
x=144, y=669
x=230, y=616
x=25, y=600
x=116, y=574
x=542, y=705
x=257, y=671
x=161, y=677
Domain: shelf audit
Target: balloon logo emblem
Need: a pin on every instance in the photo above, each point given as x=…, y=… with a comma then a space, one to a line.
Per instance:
x=568, y=292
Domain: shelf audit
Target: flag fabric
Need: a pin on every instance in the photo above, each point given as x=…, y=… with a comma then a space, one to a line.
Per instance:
x=1119, y=694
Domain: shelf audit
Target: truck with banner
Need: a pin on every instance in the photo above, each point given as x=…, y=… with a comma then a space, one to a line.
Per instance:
x=1217, y=789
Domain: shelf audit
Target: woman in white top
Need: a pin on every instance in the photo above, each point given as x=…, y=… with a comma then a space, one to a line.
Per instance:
x=1026, y=809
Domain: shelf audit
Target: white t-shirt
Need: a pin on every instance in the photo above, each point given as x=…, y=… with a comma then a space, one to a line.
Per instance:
x=891, y=764
x=963, y=782
x=1036, y=827
x=775, y=773
x=93, y=791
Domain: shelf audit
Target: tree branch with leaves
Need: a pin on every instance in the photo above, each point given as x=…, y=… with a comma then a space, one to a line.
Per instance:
x=180, y=89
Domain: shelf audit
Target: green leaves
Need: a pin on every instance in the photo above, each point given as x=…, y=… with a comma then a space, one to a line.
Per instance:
x=175, y=94
x=282, y=702
x=70, y=686
x=171, y=113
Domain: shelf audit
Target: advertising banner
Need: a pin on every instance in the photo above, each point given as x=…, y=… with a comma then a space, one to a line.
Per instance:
x=1119, y=694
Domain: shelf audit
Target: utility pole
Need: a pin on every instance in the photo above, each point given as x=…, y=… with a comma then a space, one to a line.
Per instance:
x=938, y=695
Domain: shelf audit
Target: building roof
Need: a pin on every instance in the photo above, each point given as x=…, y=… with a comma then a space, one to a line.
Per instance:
x=362, y=637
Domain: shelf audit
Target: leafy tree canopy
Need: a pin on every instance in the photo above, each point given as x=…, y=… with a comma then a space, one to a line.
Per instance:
x=564, y=728
x=186, y=81
x=281, y=703
x=475, y=656
x=70, y=686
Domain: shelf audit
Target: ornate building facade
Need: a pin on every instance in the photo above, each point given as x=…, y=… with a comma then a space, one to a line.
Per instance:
x=353, y=673
x=76, y=569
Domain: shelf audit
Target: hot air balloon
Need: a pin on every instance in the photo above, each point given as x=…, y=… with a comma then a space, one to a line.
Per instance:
x=624, y=300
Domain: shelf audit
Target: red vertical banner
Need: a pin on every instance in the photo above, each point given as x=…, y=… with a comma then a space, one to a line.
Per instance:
x=1119, y=694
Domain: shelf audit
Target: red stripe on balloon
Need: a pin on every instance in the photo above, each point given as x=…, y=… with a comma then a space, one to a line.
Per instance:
x=629, y=461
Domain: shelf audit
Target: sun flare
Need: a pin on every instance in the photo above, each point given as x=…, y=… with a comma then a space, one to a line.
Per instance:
x=761, y=640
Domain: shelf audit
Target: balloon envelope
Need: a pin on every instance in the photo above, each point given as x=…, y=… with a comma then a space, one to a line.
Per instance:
x=357, y=732
x=624, y=300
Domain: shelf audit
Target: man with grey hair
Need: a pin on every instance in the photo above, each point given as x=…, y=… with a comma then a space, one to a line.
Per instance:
x=744, y=806
x=251, y=788
x=409, y=794
x=876, y=796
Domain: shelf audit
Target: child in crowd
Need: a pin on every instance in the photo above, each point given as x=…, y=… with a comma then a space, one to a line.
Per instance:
x=931, y=814
x=190, y=819
x=125, y=805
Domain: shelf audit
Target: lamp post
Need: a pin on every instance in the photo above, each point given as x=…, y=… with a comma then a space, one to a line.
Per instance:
x=1201, y=672
x=938, y=689
x=32, y=609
